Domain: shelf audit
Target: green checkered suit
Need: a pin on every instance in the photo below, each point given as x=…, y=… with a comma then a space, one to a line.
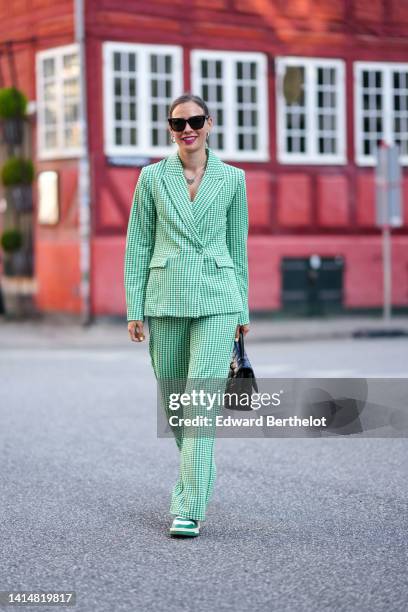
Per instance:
x=183, y=258
x=190, y=354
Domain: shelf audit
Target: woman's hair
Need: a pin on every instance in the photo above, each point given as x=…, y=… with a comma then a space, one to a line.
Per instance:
x=188, y=97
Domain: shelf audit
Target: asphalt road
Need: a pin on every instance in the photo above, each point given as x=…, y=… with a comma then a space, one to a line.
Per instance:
x=294, y=525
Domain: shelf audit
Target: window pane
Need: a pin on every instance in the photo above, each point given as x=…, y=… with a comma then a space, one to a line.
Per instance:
x=49, y=67
x=49, y=91
x=71, y=88
x=132, y=62
x=400, y=109
x=154, y=112
x=50, y=115
x=366, y=147
x=117, y=61
x=247, y=108
x=125, y=90
x=212, y=91
x=294, y=109
x=161, y=94
x=293, y=85
x=154, y=88
x=372, y=109
x=326, y=110
x=72, y=138
x=50, y=140
x=70, y=65
x=71, y=112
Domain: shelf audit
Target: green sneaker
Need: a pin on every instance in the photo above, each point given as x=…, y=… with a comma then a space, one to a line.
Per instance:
x=185, y=527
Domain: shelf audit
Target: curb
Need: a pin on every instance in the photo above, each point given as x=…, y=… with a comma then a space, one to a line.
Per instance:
x=380, y=333
x=300, y=337
x=328, y=334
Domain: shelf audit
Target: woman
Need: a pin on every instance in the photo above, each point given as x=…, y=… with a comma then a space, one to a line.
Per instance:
x=186, y=269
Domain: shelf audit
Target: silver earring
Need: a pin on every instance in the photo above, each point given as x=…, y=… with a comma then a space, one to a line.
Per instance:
x=173, y=139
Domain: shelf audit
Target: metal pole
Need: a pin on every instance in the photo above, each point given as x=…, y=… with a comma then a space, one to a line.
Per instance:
x=84, y=198
x=387, y=273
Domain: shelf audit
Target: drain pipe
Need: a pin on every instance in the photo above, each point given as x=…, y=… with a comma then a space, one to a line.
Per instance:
x=84, y=197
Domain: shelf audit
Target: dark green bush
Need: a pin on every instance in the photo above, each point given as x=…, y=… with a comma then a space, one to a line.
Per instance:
x=13, y=103
x=17, y=171
x=11, y=240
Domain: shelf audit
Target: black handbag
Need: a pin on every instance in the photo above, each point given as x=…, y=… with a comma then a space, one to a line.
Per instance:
x=241, y=378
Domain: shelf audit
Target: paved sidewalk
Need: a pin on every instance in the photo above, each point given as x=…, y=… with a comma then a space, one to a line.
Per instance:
x=68, y=331
x=322, y=328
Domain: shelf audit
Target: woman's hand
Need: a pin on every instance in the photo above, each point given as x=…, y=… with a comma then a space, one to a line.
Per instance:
x=243, y=328
x=135, y=329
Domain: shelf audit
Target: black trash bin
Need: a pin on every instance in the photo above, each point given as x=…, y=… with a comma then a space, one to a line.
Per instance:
x=312, y=286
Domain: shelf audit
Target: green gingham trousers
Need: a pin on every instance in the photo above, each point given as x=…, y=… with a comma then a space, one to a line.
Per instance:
x=183, y=349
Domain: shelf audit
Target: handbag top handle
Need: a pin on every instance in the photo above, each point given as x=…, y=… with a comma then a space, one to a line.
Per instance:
x=241, y=343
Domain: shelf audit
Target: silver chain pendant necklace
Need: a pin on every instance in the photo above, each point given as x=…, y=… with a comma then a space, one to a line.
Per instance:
x=191, y=180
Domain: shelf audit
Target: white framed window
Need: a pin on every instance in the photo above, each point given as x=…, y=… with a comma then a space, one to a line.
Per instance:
x=381, y=109
x=310, y=103
x=58, y=88
x=234, y=84
x=140, y=81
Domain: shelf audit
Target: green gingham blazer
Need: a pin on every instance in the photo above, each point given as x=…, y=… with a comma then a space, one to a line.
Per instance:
x=183, y=258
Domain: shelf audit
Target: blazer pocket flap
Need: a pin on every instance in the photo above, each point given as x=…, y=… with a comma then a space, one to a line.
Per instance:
x=224, y=261
x=158, y=261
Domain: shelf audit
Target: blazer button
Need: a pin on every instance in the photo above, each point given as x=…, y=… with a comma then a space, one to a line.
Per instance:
x=199, y=249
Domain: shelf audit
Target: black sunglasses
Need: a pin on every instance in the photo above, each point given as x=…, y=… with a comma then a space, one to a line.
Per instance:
x=178, y=124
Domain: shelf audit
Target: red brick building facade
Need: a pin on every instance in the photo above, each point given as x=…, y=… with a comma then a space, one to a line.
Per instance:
x=301, y=92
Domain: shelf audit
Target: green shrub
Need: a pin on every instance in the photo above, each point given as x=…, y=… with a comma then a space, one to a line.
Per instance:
x=11, y=240
x=17, y=171
x=13, y=103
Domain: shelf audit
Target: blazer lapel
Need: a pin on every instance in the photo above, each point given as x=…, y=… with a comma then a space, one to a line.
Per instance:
x=211, y=183
x=209, y=187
